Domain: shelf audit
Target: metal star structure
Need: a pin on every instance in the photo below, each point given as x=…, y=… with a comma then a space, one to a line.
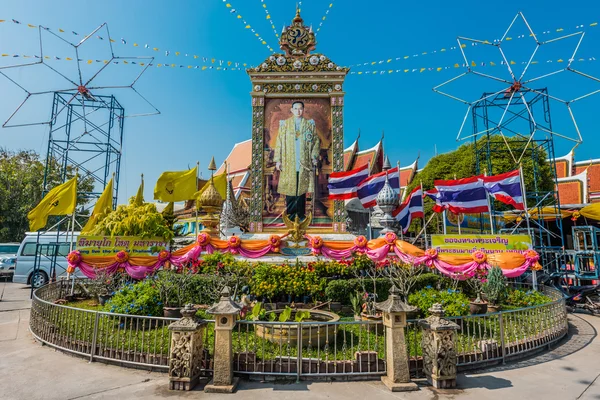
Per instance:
x=517, y=89
x=79, y=89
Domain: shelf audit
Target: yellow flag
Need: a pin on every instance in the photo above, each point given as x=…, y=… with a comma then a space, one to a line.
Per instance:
x=139, y=197
x=103, y=206
x=220, y=182
x=176, y=185
x=59, y=201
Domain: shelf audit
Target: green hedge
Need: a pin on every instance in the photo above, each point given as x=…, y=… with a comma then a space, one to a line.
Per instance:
x=341, y=289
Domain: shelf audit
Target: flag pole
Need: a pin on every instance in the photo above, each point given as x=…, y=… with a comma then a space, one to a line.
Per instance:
x=73, y=231
x=524, y=194
x=400, y=198
x=196, y=200
x=489, y=204
x=424, y=229
x=444, y=221
x=424, y=223
x=457, y=216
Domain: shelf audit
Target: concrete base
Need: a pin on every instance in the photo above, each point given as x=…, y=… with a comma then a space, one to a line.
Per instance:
x=211, y=388
x=399, y=387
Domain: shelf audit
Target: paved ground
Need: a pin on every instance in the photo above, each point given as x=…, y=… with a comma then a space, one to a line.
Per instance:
x=31, y=371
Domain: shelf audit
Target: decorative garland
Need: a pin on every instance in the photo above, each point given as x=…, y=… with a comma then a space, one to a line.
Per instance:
x=456, y=266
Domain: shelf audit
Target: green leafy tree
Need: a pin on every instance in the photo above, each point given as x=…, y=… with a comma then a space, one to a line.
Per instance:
x=134, y=220
x=462, y=163
x=21, y=182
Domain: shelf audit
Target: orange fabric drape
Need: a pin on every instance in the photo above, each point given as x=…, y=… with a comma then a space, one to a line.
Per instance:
x=409, y=249
x=505, y=260
x=254, y=244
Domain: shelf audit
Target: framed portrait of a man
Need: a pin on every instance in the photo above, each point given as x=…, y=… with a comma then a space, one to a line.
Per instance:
x=297, y=160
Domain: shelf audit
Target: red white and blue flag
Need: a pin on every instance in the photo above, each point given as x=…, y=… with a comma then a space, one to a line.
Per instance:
x=433, y=195
x=462, y=196
x=370, y=187
x=506, y=188
x=411, y=208
x=343, y=185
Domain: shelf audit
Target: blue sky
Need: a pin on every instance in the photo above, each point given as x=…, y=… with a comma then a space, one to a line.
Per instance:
x=203, y=113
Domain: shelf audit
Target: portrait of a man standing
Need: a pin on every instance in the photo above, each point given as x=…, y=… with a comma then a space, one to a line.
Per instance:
x=296, y=154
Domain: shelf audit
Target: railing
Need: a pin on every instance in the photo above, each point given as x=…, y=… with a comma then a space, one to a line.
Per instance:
x=501, y=336
x=348, y=348
x=309, y=348
x=128, y=339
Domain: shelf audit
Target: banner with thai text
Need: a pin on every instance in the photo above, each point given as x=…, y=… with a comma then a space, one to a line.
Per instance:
x=467, y=244
x=106, y=245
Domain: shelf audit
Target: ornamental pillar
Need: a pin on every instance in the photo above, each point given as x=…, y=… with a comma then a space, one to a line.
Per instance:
x=185, y=358
x=439, y=349
x=225, y=312
x=394, y=312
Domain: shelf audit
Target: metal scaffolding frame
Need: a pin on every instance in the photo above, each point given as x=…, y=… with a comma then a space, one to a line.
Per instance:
x=88, y=135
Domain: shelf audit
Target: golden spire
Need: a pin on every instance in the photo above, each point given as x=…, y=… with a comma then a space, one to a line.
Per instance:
x=212, y=166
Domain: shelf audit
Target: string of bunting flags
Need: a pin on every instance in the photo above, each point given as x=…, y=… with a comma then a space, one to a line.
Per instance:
x=236, y=66
x=247, y=25
x=324, y=16
x=463, y=65
x=126, y=42
x=450, y=48
x=230, y=66
x=268, y=18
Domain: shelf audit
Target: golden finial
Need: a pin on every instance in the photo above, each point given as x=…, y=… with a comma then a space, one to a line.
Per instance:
x=212, y=166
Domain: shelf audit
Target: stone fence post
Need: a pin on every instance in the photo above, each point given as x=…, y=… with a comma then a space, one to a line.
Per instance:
x=396, y=358
x=225, y=312
x=439, y=349
x=185, y=358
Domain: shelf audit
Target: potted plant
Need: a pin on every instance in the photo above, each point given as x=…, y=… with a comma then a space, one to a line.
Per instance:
x=104, y=285
x=356, y=302
x=477, y=281
x=495, y=289
x=172, y=287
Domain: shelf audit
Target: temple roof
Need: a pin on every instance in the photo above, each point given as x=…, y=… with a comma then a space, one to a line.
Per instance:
x=239, y=159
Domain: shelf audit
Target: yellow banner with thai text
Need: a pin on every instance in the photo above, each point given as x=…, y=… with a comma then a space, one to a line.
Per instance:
x=467, y=244
x=107, y=245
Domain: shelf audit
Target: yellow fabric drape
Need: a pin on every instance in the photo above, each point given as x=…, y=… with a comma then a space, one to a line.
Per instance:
x=592, y=211
x=547, y=214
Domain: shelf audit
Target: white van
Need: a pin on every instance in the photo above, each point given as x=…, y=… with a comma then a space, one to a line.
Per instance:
x=53, y=249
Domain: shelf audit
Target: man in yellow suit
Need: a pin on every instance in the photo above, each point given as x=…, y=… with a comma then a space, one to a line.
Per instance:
x=296, y=153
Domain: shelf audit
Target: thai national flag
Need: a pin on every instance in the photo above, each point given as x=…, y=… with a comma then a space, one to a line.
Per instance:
x=411, y=208
x=506, y=188
x=370, y=187
x=343, y=185
x=433, y=195
x=462, y=196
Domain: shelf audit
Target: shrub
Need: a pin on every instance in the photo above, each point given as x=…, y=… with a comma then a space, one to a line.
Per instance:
x=141, y=298
x=276, y=280
x=521, y=298
x=454, y=303
x=206, y=289
x=341, y=289
x=495, y=289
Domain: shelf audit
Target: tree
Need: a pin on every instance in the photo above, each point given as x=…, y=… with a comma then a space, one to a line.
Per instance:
x=461, y=163
x=21, y=181
x=134, y=220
